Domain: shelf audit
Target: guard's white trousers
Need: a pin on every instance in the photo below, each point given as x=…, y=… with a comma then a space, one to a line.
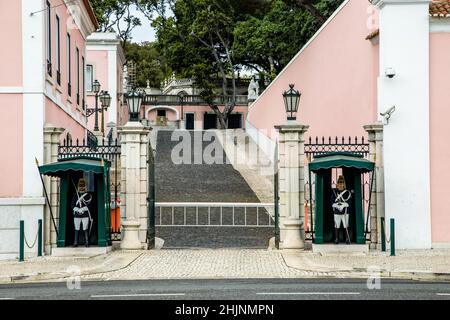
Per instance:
x=79, y=221
x=341, y=219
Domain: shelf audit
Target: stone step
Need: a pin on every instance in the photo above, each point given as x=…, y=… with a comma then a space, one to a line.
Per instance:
x=247, y=158
x=80, y=251
x=331, y=248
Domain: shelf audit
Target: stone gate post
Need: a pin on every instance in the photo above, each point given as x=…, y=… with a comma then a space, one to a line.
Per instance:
x=291, y=155
x=134, y=184
x=52, y=137
x=375, y=132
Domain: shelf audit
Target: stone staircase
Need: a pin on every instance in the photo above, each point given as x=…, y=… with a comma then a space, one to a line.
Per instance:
x=250, y=161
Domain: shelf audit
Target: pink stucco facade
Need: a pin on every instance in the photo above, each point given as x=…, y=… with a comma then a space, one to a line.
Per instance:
x=68, y=110
x=11, y=132
x=439, y=136
x=18, y=83
x=99, y=62
x=10, y=102
x=336, y=74
x=11, y=54
x=107, y=58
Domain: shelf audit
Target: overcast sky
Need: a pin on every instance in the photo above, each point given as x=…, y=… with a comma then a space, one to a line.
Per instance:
x=144, y=32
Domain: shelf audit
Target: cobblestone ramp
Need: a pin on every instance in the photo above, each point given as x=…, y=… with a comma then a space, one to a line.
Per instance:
x=191, y=182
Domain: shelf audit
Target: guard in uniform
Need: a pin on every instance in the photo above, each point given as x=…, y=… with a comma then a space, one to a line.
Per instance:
x=81, y=213
x=340, y=200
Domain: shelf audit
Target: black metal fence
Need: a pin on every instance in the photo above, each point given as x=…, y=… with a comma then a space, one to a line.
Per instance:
x=108, y=149
x=318, y=146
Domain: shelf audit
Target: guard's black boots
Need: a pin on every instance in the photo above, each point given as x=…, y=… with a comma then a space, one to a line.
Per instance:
x=336, y=236
x=75, y=243
x=86, y=238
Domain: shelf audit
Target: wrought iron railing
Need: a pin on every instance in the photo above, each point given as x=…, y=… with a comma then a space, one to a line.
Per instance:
x=176, y=100
x=81, y=148
x=322, y=146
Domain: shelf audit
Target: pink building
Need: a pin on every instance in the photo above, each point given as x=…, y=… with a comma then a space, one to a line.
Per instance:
x=367, y=58
x=41, y=86
x=105, y=61
x=165, y=108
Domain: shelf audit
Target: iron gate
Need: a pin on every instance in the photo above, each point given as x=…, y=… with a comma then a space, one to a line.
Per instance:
x=321, y=146
x=109, y=150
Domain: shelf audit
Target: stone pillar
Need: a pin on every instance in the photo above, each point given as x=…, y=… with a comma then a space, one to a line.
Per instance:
x=134, y=146
x=375, y=132
x=292, y=184
x=99, y=136
x=52, y=137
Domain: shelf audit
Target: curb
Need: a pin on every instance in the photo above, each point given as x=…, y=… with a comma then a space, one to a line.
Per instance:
x=45, y=276
x=384, y=274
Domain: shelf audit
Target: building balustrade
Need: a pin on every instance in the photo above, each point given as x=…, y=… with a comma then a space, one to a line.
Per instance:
x=175, y=100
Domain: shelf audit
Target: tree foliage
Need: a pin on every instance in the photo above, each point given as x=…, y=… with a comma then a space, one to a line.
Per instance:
x=149, y=62
x=267, y=42
x=211, y=40
x=198, y=43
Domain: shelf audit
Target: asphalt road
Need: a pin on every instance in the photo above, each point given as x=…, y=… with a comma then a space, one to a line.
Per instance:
x=253, y=289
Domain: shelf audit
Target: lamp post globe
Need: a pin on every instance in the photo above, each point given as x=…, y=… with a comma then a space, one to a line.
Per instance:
x=96, y=86
x=134, y=102
x=291, y=99
x=105, y=100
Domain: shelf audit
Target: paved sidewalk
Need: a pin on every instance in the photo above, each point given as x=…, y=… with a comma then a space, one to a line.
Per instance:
x=411, y=264
x=230, y=263
x=50, y=268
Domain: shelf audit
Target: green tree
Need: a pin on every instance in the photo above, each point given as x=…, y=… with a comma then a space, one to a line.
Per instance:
x=116, y=15
x=150, y=63
x=197, y=42
x=267, y=42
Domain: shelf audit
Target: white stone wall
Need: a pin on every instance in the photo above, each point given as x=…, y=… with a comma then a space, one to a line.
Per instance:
x=404, y=46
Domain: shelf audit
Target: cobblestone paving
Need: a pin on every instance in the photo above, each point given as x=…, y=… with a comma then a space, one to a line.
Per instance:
x=206, y=264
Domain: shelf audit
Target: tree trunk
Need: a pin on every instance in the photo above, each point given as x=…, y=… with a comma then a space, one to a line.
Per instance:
x=222, y=121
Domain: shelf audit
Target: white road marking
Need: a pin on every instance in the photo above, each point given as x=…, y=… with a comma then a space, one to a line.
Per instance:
x=6, y=298
x=307, y=293
x=136, y=295
x=443, y=294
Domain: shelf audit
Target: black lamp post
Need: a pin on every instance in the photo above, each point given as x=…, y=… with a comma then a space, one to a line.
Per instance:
x=134, y=101
x=105, y=99
x=96, y=89
x=291, y=102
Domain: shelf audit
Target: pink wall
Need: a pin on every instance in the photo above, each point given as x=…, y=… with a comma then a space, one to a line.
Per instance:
x=53, y=113
x=99, y=60
x=439, y=136
x=11, y=49
x=77, y=41
x=11, y=144
x=56, y=116
x=336, y=76
x=198, y=110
